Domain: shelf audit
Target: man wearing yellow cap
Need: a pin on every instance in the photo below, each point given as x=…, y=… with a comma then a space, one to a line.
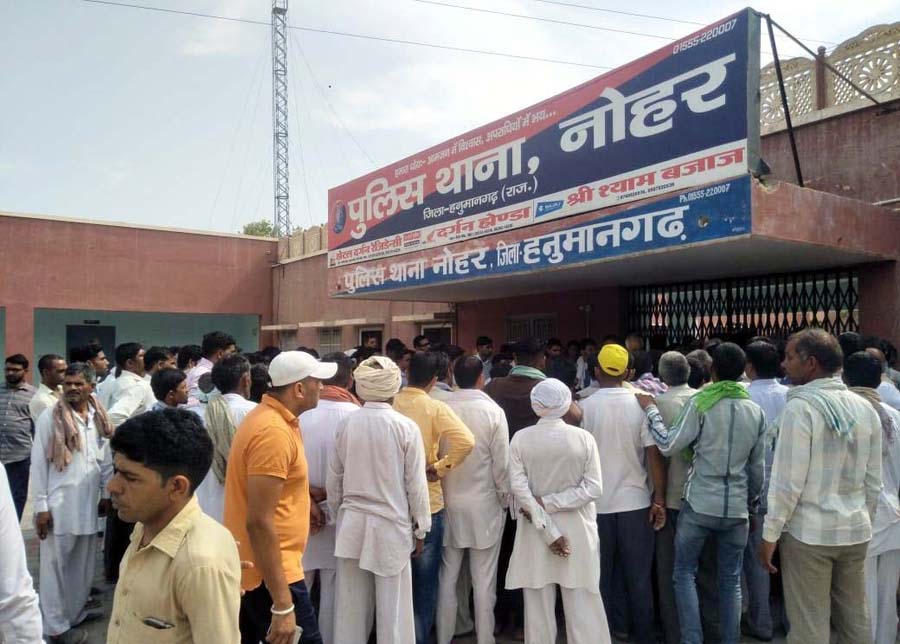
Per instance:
x=633, y=502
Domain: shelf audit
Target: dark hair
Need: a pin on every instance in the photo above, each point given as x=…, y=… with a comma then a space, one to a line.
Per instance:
x=483, y=341
x=189, y=353
x=417, y=341
x=83, y=369
x=85, y=352
x=588, y=342
x=19, y=359
x=227, y=373
x=156, y=354
x=166, y=380
x=216, y=341
x=205, y=383
x=527, y=349
x=443, y=364
x=127, y=351
x=170, y=442
x=269, y=352
x=643, y=362
x=862, y=369
x=466, y=371
x=821, y=345
x=851, y=342
x=46, y=361
x=344, y=371
x=699, y=371
x=259, y=381
x=394, y=348
x=364, y=353
x=455, y=352
x=573, y=343
x=729, y=361
x=423, y=367
x=764, y=358
x=554, y=342
x=501, y=368
x=309, y=350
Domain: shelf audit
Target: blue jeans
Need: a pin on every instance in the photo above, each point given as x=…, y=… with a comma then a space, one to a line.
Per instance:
x=759, y=615
x=425, y=570
x=691, y=534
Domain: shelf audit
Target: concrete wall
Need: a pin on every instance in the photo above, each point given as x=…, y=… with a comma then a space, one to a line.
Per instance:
x=854, y=155
x=85, y=266
x=301, y=295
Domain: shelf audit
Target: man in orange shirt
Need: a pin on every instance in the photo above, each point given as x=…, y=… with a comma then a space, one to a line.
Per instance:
x=267, y=503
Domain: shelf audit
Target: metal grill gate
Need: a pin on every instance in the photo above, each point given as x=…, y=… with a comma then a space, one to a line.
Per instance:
x=739, y=308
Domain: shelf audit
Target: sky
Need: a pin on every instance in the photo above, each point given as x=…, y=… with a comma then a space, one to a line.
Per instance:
x=121, y=114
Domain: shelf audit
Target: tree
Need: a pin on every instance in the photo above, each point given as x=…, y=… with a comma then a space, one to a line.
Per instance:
x=261, y=228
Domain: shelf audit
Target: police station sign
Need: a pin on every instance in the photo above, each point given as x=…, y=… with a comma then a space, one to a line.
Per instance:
x=677, y=118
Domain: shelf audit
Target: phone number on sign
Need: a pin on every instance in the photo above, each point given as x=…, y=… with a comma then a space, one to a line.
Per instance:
x=718, y=30
x=707, y=192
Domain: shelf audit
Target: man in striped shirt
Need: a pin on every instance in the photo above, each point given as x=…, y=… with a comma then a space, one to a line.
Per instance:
x=825, y=482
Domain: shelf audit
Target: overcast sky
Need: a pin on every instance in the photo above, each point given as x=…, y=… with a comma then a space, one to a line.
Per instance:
x=121, y=114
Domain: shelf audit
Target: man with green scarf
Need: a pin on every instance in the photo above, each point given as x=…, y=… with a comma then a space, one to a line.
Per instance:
x=724, y=434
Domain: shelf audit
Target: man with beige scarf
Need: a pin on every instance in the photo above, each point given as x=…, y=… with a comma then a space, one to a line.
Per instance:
x=70, y=466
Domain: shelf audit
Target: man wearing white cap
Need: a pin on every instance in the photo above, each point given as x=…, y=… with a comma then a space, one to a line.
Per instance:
x=267, y=503
x=554, y=473
x=377, y=489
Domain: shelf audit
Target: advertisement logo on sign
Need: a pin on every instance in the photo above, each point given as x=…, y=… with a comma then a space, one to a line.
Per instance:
x=546, y=207
x=340, y=217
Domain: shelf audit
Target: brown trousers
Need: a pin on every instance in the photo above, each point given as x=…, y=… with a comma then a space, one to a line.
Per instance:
x=825, y=585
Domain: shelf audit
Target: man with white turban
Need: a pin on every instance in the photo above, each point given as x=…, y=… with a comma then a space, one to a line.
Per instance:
x=554, y=473
x=377, y=490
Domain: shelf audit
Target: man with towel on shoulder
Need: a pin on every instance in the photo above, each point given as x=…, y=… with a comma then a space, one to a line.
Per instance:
x=377, y=489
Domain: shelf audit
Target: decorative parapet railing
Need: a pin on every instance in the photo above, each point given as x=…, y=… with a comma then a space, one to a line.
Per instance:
x=871, y=60
x=303, y=243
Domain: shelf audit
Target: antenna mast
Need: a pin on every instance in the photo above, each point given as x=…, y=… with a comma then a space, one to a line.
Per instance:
x=280, y=118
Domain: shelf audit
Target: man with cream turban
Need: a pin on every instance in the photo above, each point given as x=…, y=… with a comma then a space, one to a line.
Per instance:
x=377, y=490
x=554, y=473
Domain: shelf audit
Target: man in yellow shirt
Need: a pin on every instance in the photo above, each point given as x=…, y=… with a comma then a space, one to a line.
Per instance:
x=267, y=503
x=440, y=426
x=179, y=579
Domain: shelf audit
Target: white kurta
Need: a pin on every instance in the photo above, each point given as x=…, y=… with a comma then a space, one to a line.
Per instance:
x=44, y=398
x=128, y=396
x=476, y=493
x=558, y=463
x=105, y=388
x=475, y=497
x=318, y=427
x=20, y=615
x=377, y=488
x=210, y=493
x=71, y=496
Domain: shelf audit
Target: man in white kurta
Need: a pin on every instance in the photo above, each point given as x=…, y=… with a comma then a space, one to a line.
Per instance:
x=67, y=480
x=378, y=492
x=20, y=614
x=52, y=369
x=318, y=427
x=554, y=473
x=862, y=373
x=475, y=499
x=221, y=416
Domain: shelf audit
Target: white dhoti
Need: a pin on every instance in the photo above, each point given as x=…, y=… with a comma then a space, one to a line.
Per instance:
x=67, y=567
x=360, y=593
x=585, y=616
x=882, y=578
x=326, y=577
x=483, y=572
x=464, y=623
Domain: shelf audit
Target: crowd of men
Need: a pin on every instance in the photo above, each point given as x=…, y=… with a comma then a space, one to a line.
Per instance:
x=427, y=492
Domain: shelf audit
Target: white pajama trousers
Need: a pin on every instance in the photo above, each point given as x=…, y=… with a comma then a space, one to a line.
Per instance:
x=326, y=577
x=483, y=573
x=67, y=567
x=359, y=593
x=585, y=616
x=882, y=577
x=464, y=621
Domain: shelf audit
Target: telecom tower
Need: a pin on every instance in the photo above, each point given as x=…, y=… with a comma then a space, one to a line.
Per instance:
x=280, y=118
